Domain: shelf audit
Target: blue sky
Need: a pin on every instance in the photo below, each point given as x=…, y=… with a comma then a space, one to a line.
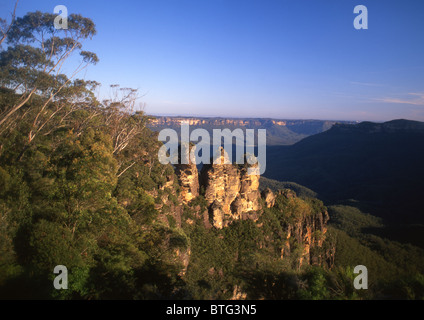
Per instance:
x=298, y=59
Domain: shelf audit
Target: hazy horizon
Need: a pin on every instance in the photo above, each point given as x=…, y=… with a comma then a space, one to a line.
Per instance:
x=176, y=115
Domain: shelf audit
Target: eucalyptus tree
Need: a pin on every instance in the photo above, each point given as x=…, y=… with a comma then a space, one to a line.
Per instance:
x=34, y=63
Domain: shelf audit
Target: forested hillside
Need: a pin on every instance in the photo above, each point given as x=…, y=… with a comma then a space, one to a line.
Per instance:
x=377, y=164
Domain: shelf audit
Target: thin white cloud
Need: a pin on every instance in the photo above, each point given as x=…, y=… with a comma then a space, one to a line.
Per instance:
x=176, y=103
x=416, y=99
x=416, y=94
x=367, y=84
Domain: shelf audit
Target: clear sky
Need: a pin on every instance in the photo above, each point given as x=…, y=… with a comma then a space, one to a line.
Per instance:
x=298, y=59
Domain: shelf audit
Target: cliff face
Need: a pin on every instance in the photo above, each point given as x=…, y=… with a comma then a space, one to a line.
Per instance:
x=161, y=121
x=188, y=177
x=302, y=125
x=306, y=229
x=231, y=194
x=269, y=198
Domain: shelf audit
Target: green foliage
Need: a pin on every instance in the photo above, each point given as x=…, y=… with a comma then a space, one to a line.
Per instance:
x=76, y=189
x=411, y=288
x=316, y=286
x=352, y=220
x=212, y=259
x=290, y=209
x=275, y=186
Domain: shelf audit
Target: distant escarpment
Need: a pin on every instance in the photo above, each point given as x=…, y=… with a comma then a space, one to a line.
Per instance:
x=293, y=227
x=279, y=131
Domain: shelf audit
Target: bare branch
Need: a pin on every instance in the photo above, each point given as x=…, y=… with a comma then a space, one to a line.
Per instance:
x=126, y=169
x=5, y=32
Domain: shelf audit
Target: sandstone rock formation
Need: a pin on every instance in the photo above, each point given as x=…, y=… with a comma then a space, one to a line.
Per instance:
x=269, y=197
x=188, y=177
x=230, y=192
